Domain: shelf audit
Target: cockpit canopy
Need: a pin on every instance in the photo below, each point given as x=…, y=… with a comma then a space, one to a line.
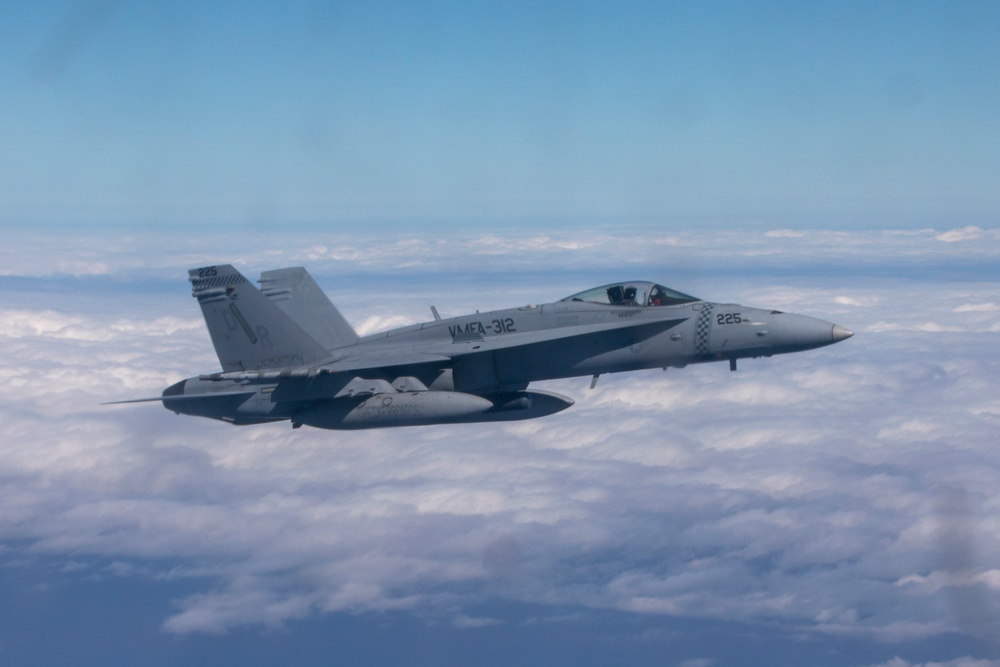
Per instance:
x=634, y=293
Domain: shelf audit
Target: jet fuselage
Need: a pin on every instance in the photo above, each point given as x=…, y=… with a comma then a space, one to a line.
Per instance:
x=288, y=354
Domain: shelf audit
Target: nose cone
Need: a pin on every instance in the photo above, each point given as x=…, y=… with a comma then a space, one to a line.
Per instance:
x=840, y=333
x=791, y=333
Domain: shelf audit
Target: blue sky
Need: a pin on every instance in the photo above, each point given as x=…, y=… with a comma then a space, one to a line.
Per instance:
x=836, y=507
x=830, y=115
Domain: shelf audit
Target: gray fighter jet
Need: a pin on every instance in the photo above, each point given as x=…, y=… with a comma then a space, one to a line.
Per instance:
x=287, y=353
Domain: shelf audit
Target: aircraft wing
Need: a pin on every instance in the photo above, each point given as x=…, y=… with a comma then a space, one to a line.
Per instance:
x=442, y=354
x=612, y=334
x=360, y=361
x=636, y=331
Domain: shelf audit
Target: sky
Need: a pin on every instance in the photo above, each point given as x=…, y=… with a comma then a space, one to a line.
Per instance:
x=831, y=115
x=834, y=507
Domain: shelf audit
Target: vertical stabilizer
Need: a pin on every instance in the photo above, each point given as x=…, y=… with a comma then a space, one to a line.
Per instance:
x=295, y=292
x=248, y=331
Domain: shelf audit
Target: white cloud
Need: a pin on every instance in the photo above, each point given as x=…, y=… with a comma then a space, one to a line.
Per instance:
x=376, y=323
x=970, y=233
x=857, y=301
x=977, y=308
x=965, y=661
x=797, y=491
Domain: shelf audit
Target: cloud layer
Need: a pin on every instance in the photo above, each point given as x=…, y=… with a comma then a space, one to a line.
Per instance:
x=848, y=492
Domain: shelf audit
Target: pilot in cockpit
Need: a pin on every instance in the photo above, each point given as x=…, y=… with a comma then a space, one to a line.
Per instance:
x=619, y=295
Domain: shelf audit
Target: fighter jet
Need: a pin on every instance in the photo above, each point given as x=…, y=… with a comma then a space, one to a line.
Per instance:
x=288, y=354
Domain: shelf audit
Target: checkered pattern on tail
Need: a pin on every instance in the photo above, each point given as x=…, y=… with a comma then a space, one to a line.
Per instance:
x=202, y=284
x=702, y=329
